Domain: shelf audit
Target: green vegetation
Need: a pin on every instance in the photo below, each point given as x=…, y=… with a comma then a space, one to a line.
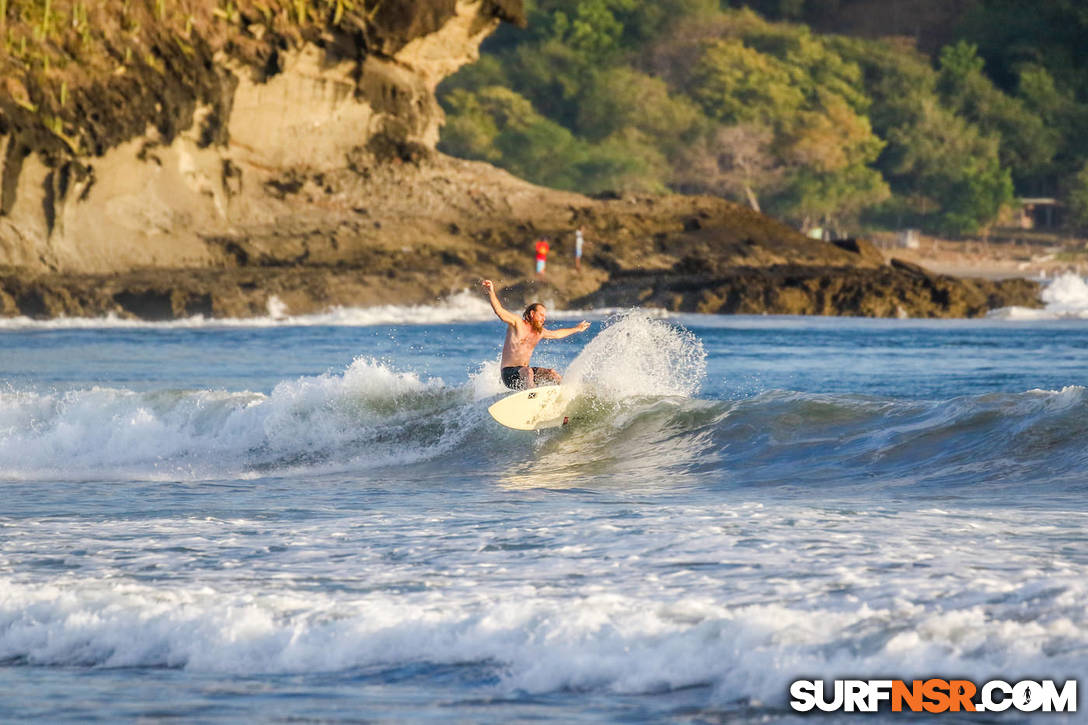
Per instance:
x=696, y=97
x=51, y=34
x=53, y=53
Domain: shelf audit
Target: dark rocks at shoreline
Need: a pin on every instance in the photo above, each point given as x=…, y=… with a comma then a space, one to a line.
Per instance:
x=888, y=291
x=159, y=295
x=895, y=290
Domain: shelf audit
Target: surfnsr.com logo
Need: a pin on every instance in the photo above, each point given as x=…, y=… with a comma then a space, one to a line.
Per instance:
x=933, y=695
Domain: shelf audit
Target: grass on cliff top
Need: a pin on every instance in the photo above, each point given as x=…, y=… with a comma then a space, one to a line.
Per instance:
x=49, y=48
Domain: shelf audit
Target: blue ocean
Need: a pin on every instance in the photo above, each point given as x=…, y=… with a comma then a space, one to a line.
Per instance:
x=314, y=519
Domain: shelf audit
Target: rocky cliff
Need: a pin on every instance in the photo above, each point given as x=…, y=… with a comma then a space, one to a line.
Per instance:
x=176, y=136
x=199, y=159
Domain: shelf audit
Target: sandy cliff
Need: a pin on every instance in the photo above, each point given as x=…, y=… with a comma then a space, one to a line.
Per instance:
x=255, y=156
x=162, y=155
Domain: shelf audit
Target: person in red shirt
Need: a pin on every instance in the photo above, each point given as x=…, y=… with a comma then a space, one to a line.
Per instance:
x=542, y=248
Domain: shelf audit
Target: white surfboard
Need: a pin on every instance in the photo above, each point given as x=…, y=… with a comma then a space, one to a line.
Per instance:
x=532, y=409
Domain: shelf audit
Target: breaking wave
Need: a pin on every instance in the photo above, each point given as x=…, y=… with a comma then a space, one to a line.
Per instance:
x=636, y=409
x=1064, y=297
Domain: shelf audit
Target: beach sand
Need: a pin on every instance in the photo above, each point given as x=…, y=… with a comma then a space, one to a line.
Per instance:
x=1036, y=256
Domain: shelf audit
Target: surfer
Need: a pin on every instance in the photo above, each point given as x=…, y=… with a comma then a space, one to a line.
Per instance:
x=522, y=335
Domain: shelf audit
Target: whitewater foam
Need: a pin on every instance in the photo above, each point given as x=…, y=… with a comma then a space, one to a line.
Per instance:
x=463, y=306
x=1064, y=297
x=336, y=419
x=643, y=424
x=878, y=596
x=370, y=414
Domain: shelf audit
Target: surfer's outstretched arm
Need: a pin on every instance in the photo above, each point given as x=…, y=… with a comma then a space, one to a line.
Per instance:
x=504, y=314
x=566, y=331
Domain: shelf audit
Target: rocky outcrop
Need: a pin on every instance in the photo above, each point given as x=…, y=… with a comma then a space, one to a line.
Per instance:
x=813, y=290
x=846, y=277
x=201, y=135
x=257, y=159
x=414, y=233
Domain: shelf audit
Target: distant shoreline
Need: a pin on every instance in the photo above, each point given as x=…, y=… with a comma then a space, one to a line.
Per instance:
x=1008, y=256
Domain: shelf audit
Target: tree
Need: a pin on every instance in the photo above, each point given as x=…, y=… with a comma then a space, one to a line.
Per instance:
x=830, y=148
x=498, y=125
x=945, y=159
x=682, y=95
x=1077, y=197
x=731, y=161
x=831, y=199
x=737, y=84
x=1060, y=112
x=625, y=161
x=621, y=98
x=470, y=129
x=591, y=28
x=1027, y=144
x=1012, y=33
x=946, y=171
x=808, y=97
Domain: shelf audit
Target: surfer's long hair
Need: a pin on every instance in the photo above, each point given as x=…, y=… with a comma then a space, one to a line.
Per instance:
x=529, y=311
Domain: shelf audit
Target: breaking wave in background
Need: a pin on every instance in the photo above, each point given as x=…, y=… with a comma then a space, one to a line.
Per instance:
x=464, y=306
x=1064, y=297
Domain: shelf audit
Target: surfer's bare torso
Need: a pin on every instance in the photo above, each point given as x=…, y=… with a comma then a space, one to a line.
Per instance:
x=521, y=340
x=522, y=335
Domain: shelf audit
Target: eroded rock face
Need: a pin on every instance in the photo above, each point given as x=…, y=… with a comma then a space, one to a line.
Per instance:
x=174, y=153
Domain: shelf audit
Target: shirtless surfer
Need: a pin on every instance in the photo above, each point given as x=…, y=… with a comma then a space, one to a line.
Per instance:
x=522, y=335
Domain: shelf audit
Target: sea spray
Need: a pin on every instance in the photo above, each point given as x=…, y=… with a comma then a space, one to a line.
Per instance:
x=637, y=355
x=486, y=381
x=1067, y=295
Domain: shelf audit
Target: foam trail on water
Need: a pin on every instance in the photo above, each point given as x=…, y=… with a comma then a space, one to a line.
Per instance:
x=638, y=355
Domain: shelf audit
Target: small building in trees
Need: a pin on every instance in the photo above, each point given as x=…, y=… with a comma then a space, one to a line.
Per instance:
x=1038, y=213
x=908, y=239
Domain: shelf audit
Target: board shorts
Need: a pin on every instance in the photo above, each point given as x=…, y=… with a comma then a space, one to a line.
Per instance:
x=514, y=379
x=539, y=266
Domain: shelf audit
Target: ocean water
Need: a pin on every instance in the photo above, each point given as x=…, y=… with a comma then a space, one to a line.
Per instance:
x=314, y=519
